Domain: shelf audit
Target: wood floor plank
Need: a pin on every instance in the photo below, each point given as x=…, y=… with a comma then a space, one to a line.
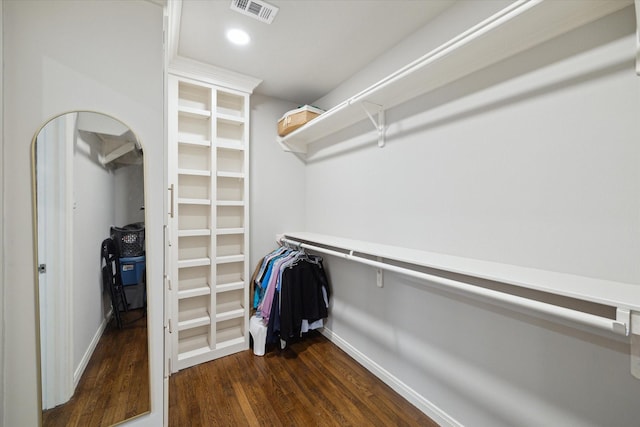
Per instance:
x=310, y=383
x=115, y=384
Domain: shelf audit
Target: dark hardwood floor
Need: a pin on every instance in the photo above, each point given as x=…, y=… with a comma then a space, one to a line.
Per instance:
x=310, y=383
x=115, y=383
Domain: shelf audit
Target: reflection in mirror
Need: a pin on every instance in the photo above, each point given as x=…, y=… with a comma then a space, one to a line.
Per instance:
x=89, y=190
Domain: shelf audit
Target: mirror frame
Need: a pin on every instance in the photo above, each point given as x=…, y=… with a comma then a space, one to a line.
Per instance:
x=34, y=204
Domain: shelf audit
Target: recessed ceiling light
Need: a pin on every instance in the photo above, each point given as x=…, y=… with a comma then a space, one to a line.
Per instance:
x=239, y=37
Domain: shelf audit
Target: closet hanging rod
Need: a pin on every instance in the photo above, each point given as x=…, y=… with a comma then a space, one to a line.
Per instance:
x=619, y=327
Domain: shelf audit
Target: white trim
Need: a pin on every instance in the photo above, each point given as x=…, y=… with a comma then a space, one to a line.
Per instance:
x=189, y=68
x=2, y=225
x=92, y=346
x=172, y=27
x=415, y=398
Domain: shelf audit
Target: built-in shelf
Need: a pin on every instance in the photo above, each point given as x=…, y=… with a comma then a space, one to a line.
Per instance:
x=194, y=112
x=229, y=144
x=230, y=203
x=228, y=287
x=518, y=27
x=224, y=231
x=223, y=174
x=229, y=311
x=229, y=336
x=208, y=139
x=195, y=262
x=229, y=258
x=189, y=319
x=194, y=172
x=183, y=201
x=195, y=292
x=230, y=119
x=194, y=141
x=193, y=346
x=194, y=232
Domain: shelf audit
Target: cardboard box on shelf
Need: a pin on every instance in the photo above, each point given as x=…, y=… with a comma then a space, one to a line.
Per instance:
x=293, y=119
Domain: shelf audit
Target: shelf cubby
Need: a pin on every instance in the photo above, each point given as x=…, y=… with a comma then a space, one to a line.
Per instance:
x=230, y=188
x=230, y=104
x=230, y=160
x=193, y=247
x=194, y=96
x=193, y=128
x=231, y=130
x=229, y=217
x=229, y=332
x=229, y=275
x=193, y=217
x=194, y=186
x=193, y=342
x=229, y=244
x=194, y=312
x=194, y=157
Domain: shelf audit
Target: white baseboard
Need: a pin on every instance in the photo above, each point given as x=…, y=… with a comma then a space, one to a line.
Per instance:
x=416, y=399
x=87, y=354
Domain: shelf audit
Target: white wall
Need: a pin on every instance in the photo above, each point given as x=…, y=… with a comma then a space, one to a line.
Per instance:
x=2, y=312
x=129, y=195
x=533, y=162
x=93, y=214
x=107, y=58
x=277, y=181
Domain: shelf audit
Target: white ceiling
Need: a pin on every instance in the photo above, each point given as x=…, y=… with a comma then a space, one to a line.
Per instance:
x=311, y=46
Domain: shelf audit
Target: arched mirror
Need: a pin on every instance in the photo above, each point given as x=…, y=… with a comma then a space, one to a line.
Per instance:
x=89, y=193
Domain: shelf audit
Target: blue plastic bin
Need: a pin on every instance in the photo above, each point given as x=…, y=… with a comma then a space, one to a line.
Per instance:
x=132, y=270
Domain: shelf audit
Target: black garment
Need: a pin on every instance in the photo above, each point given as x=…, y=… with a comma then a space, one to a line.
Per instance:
x=301, y=297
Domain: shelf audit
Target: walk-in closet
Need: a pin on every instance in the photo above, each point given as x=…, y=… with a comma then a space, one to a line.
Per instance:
x=320, y=212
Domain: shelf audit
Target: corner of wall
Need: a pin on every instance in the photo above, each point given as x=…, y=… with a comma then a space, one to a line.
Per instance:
x=2, y=346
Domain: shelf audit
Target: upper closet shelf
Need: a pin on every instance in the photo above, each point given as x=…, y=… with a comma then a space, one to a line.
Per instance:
x=518, y=27
x=598, y=291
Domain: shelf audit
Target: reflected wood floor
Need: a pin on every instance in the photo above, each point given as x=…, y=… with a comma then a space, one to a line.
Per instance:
x=310, y=383
x=115, y=383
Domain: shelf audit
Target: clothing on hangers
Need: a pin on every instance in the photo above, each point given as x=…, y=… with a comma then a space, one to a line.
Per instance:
x=291, y=294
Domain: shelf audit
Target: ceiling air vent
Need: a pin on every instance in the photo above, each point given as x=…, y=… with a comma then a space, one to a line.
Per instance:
x=257, y=9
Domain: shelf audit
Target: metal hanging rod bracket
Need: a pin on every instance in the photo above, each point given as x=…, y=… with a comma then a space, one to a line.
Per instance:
x=378, y=124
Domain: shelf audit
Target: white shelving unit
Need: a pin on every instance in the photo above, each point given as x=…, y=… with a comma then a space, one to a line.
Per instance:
x=518, y=27
x=208, y=236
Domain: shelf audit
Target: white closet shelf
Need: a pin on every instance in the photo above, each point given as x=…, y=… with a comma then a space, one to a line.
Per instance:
x=193, y=318
x=224, y=231
x=229, y=258
x=229, y=144
x=227, y=287
x=193, y=292
x=194, y=172
x=194, y=262
x=193, y=346
x=184, y=140
x=517, y=27
x=197, y=113
x=229, y=336
x=183, y=201
x=194, y=232
x=599, y=291
x=223, y=174
x=230, y=119
x=230, y=203
x=228, y=311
